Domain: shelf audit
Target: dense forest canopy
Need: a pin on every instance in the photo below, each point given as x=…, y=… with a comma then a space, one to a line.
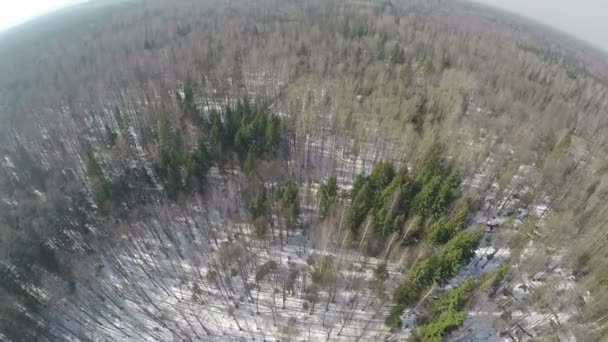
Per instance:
x=300, y=170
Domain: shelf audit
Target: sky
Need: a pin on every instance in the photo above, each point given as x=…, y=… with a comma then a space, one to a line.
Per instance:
x=585, y=19
x=14, y=12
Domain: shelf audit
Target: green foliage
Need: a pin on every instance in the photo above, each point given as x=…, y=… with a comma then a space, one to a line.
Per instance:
x=382, y=175
x=439, y=185
x=426, y=201
x=393, y=320
x=232, y=122
x=399, y=183
x=437, y=269
x=171, y=155
x=457, y=251
x=406, y=196
x=447, y=312
x=421, y=276
x=445, y=323
x=454, y=299
x=324, y=274
x=366, y=191
x=389, y=197
x=432, y=165
x=385, y=223
x=328, y=193
x=382, y=221
x=461, y=212
x=249, y=164
x=494, y=279
x=360, y=181
x=445, y=228
x=414, y=231
x=603, y=279
x=243, y=139
x=198, y=164
x=107, y=191
x=288, y=198
x=272, y=135
x=407, y=292
x=249, y=131
x=360, y=206
x=259, y=206
x=448, y=191
x=216, y=132
x=439, y=232
x=246, y=129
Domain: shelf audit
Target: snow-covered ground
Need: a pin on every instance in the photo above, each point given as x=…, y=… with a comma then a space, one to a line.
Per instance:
x=193, y=272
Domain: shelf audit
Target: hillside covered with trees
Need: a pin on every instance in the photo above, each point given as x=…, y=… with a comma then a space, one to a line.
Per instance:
x=280, y=170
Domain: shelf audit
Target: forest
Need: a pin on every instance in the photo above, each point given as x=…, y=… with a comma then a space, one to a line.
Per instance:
x=300, y=170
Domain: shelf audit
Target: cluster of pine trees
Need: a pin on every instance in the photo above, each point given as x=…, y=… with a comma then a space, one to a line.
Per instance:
x=248, y=130
x=436, y=269
x=328, y=195
x=424, y=208
x=245, y=129
x=448, y=311
x=386, y=198
x=285, y=195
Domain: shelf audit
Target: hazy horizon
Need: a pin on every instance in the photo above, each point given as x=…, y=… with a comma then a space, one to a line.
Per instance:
x=583, y=19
